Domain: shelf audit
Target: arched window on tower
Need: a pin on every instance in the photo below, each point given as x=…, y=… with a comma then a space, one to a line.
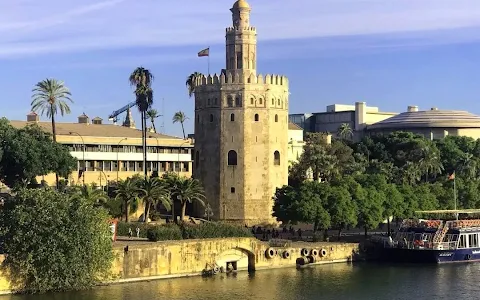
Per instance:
x=276, y=118
x=239, y=60
x=257, y=118
x=232, y=158
x=260, y=101
x=229, y=101
x=211, y=118
x=276, y=158
x=238, y=103
x=232, y=117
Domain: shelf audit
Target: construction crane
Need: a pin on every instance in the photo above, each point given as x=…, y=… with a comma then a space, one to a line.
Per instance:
x=114, y=115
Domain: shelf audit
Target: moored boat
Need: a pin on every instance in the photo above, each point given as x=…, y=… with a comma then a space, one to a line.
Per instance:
x=434, y=241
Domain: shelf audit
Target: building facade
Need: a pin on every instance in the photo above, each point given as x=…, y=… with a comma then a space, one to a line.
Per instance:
x=432, y=123
x=108, y=153
x=241, y=130
x=357, y=116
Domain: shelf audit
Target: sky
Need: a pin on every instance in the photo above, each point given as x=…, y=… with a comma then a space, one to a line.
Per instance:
x=390, y=54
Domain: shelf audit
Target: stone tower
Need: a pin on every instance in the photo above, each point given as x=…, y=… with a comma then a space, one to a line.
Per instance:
x=241, y=130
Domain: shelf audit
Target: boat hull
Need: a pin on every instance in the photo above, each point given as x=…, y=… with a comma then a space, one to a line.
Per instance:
x=404, y=255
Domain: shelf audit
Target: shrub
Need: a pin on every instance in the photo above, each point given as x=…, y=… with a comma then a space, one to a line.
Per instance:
x=54, y=242
x=214, y=230
x=164, y=233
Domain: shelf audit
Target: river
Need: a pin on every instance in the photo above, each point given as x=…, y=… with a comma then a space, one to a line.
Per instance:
x=362, y=281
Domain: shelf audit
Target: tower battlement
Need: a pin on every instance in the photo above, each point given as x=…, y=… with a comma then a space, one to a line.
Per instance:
x=270, y=79
x=234, y=29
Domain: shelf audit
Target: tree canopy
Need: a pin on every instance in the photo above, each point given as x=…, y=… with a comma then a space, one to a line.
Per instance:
x=379, y=177
x=29, y=152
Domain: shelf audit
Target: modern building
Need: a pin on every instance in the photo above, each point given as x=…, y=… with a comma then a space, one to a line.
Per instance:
x=433, y=123
x=357, y=116
x=295, y=143
x=108, y=152
x=241, y=130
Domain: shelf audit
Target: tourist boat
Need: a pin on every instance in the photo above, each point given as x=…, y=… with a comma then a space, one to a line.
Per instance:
x=434, y=241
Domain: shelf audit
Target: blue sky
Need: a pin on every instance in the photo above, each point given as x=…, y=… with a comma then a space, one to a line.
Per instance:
x=390, y=54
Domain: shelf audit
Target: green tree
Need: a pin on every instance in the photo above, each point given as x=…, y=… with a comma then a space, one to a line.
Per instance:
x=90, y=193
x=153, y=192
x=184, y=190
x=180, y=117
x=128, y=192
x=342, y=210
x=142, y=79
x=344, y=131
x=49, y=97
x=29, y=152
x=305, y=203
x=152, y=114
x=54, y=242
x=192, y=82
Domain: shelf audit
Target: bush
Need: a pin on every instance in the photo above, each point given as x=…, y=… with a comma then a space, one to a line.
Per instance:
x=164, y=233
x=214, y=230
x=54, y=242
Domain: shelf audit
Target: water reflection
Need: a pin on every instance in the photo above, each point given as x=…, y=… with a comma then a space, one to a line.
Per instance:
x=338, y=281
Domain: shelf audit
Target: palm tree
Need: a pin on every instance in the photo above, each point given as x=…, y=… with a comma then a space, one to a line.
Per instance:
x=142, y=79
x=153, y=192
x=96, y=196
x=152, y=114
x=180, y=117
x=128, y=192
x=345, y=131
x=185, y=190
x=49, y=97
x=191, y=82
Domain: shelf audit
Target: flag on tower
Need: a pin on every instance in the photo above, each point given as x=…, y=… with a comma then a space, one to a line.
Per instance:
x=452, y=176
x=204, y=52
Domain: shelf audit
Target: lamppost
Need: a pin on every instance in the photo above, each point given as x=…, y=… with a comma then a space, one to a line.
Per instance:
x=106, y=178
x=178, y=158
x=83, y=148
x=118, y=150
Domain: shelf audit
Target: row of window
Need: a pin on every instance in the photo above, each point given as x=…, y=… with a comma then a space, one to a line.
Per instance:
x=238, y=102
x=125, y=149
x=232, y=158
x=472, y=241
x=132, y=166
x=232, y=118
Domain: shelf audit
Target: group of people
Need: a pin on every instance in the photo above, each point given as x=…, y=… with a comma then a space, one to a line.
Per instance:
x=130, y=232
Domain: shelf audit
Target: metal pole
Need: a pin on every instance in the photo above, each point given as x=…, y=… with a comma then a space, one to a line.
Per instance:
x=83, y=148
x=118, y=162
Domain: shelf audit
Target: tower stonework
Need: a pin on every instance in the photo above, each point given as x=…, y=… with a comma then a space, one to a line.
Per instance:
x=241, y=130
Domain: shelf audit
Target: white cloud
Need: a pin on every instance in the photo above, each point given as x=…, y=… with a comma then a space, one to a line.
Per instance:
x=32, y=27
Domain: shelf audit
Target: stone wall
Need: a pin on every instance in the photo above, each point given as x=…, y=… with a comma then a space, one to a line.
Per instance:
x=147, y=261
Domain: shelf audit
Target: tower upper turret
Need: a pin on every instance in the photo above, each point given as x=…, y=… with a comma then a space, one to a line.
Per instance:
x=241, y=41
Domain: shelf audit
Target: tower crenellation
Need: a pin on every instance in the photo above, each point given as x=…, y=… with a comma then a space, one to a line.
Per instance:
x=241, y=130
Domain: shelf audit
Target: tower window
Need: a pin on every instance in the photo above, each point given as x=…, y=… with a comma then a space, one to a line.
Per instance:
x=239, y=60
x=276, y=158
x=208, y=102
x=197, y=158
x=232, y=117
x=273, y=101
x=257, y=118
x=216, y=101
x=232, y=158
x=278, y=101
x=260, y=101
x=211, y=118
x=232, y=190
x=251, y=101
x=237, y=102
x=230, y=101
x=276, y=118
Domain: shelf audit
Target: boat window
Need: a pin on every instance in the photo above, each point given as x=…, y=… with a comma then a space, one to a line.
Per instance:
x=473, y=240
x=462, y=243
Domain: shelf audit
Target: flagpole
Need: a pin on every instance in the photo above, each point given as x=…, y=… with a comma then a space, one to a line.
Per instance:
x=455, y=195
x=208, y=61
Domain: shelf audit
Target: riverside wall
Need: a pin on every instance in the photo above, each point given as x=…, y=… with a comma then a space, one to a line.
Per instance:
x=139, y=261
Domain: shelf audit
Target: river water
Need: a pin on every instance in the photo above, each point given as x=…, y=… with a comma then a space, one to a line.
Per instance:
x=362, y=281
